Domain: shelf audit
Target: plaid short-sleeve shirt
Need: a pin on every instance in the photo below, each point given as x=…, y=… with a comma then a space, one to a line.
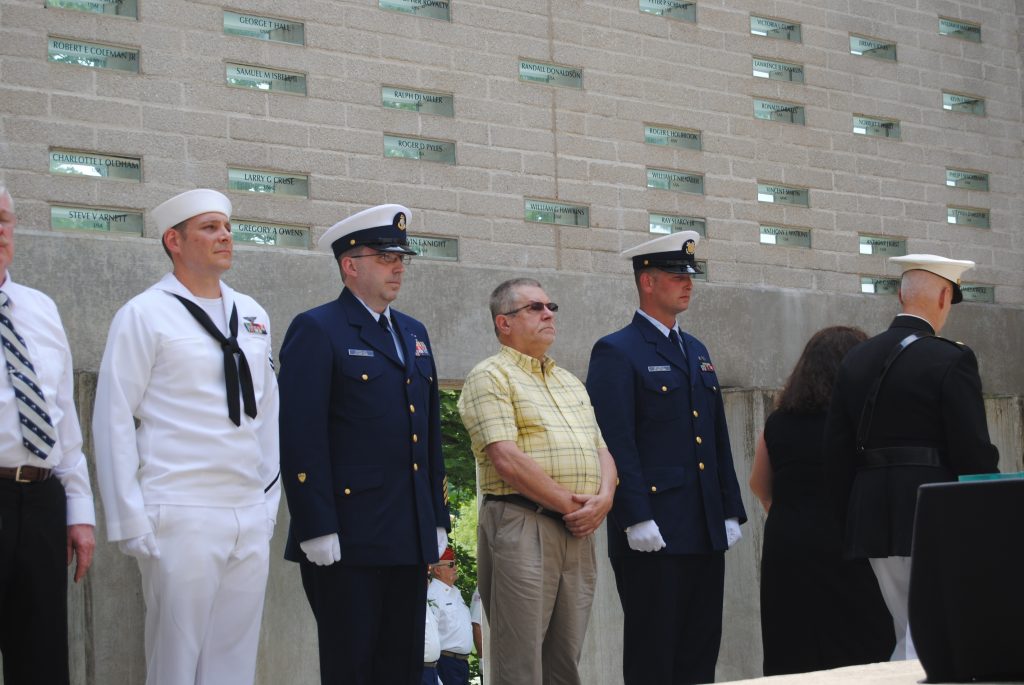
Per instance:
x=545, y=410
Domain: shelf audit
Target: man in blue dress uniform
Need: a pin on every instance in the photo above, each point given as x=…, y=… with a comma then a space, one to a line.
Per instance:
x=677, y=508
x=361, y=459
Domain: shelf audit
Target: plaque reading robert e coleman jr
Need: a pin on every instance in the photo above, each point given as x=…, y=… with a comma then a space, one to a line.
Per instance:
x=93, y=55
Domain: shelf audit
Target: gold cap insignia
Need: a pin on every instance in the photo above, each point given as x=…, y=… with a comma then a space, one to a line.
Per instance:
x=302, y=477
x=400, y=221
x=690, y=247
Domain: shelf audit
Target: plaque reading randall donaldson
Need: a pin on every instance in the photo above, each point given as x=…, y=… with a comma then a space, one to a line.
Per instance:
x=550, y=74
x=967, y=216
x=676, y=181
x=545, y=212
x=121, y=8
x=876, y=127
x=95, y=219
x=978, y=293
x=673, y=9
x=260, y=78
x=74, y=163
x=670, y=223
x=264, y=28
x=686, y=138
x=783, y=195
x=777, y=71
x=275, y=235
x=872, y=47
x=771, y=110
x=879, y=285
x=960, y=29
x=95, y=55
x=435, y=247
x=422, y=101
x=786, y=236
x=958, y=102
x=965, y=178
x=882, y=245
x=782, y=29
x=425, y=149
x=256, y=181
x=434, y=9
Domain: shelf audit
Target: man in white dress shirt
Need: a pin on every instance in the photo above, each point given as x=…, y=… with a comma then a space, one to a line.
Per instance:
x=193, y=491
x=454, y=626
x=46, y=508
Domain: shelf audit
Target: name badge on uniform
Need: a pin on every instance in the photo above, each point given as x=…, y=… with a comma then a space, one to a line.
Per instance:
x=421, y=349
x=253, y=326
x=652, y=369
x=360, y=353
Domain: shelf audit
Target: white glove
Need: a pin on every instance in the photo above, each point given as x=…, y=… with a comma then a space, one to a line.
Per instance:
x=732, y=531
x=442, y=541
x=322, y=551
x=645, y=536
x=142, y=547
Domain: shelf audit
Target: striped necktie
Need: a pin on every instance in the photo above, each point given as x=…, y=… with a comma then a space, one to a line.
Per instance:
x=37, y=433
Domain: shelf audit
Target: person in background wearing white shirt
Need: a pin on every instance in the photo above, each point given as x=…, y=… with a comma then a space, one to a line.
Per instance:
x=431, y=642
x=192, y=492
x=46, y=507
x=453, y=624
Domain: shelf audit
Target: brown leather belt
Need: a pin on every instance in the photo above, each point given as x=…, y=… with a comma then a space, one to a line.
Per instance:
x=453, y=655
x=429, y=664
x=25, y=474
x=521, y=501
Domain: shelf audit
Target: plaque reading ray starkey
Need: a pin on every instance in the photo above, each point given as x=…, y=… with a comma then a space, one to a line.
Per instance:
x=63, y=218
x=264, y=28
x=960, y=29
x=673, y=9
x=550, y=74
x=548, y=212
x=961, y=102
x=772, y=110
x=879, y=285
x=783, y=29
x=272, y=182
x=786, y=236
x=95, y=165
x=120, y=8
x=671, y=223
x=435, y=247
x=424, y=149
x=872, y=47
x=262, y=78
x=676, y=181
x=967, y=216
x=94, y=55
x=273, y=235
x=877, y=127
x=882, y=245
x=777, y=71
x=422, y=101
x=686, y=138
x=434, y=9
x=966, y=178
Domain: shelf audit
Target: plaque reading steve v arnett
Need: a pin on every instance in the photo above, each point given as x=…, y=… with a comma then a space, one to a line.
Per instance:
x=120, y=221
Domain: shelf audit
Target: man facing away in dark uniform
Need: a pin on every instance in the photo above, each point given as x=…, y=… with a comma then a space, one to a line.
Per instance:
x=678, y=507
x=361, y=459
x=906, y=410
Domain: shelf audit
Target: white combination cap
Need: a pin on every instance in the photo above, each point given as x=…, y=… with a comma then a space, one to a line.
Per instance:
x=673, y=253
x=189, y=204
x=381, y=227
x=950, y=269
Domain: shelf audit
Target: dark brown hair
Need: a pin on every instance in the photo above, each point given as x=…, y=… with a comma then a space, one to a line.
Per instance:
x=809, y=387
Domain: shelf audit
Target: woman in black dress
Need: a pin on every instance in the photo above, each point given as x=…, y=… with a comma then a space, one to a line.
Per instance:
x=818, y=611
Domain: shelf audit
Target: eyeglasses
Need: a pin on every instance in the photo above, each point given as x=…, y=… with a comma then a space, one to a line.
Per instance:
x=449, y=564
x=533, y=307
x=387, y=258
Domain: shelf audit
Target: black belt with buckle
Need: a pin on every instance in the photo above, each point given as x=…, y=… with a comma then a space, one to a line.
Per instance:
x=429, y=664
x=521, y=501
x=453, y=655
x=25, y=474
x=899, y=456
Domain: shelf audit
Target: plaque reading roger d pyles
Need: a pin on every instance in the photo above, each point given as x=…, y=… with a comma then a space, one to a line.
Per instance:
x=671, y=223
x=676, y=181
x=547, y=212
x=95, y=165
x=424, y=149
x=63, y=218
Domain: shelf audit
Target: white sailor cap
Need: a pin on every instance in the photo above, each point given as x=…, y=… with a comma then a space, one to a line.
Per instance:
x=673, y=253
x=950, y=269
x=381, y=227
x=187, y=205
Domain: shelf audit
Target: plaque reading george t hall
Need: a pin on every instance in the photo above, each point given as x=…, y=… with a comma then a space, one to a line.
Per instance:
x=967, y=216
x=671, y=223
x=261, y=78
x=435, y=247
x=786, y=236
x=546, y=212
x=264, y=28
x=685, y=138
x=967, y=179
x=550, y=74
x=72, y=163
x=876, y=127
x=422, y=101
x=434, y=9
x=425, y=149
x=783, y=195
x=783, y=29
x=673, y=9
x=273, y=235
x=959, y=102
x=879, y=285
x=882, y=245
x=872, y=47
x=96, y=219
x=94, y=55
x=272, y=182
x=120, y=8
x=960, y=29
x=974, y=292
x=777, y=71
x=772, y=110
x=676, y=181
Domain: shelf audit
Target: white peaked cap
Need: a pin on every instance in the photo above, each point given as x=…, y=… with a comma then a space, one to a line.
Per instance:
x=950, y=269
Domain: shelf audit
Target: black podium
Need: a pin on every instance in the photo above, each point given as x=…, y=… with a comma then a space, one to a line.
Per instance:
x=967, y=580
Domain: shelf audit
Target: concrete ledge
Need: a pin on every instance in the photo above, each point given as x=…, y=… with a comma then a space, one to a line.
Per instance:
x=889, y=673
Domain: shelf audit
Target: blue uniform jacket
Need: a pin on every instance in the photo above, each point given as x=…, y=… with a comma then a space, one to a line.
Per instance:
x=361, y=436
x=664, y=422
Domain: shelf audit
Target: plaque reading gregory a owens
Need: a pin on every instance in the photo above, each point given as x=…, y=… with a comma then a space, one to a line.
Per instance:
x=271, y=235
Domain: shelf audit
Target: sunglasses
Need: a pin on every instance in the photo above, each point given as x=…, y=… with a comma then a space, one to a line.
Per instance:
x=533, y=307
x=449, y=564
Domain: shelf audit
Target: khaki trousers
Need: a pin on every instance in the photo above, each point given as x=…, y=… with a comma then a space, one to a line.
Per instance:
x=536, y=586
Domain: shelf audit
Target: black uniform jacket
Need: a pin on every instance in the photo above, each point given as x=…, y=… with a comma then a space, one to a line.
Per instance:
x=931, y=397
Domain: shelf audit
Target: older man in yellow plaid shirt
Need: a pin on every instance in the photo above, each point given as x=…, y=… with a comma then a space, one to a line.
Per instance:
x=547, y=479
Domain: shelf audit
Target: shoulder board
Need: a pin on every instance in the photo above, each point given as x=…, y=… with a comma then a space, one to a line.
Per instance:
x=956, y=343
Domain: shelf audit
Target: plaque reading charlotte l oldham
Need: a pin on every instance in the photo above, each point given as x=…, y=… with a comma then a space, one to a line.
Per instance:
x=786, y=236
x=967, y=216
x=676, y=181
x=879, y=285
x=94, y=55
x=562, y=214
x=967, y=178
x=872, y=47
x=778, y=193
x=435, y=247
x=424, y=149
x=771, y=110
x=261, y=78
x=550, y=74
x=120, y=8
x=975, y=292
x=685, y=138
x=777, y=71
x=960, y=102
x=433, y=9
x=876, y=127
x=783, y=29
x=95, y=165
x=273, y=235
x=960, y=29
x=274, y=182
x=882, y=245
x=95, y=219
x=672, y=223
x=264, y=28
x=422, y=101
x=673, y=9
